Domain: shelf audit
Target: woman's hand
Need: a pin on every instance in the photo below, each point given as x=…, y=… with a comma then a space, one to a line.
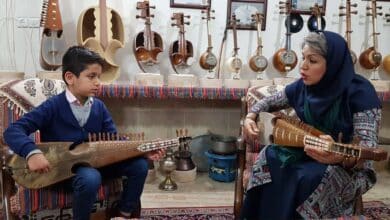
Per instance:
x=38, y=163
x=250, y=125
x=155, y=154
x=321, y=155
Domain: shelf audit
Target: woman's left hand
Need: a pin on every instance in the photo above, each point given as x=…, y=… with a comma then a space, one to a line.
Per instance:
x=321, y=155
x=155, y=154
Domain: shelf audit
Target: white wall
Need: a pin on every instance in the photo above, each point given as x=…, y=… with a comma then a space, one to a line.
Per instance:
x=20, y=46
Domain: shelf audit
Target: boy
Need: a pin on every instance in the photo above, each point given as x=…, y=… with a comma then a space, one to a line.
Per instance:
x=70, y=116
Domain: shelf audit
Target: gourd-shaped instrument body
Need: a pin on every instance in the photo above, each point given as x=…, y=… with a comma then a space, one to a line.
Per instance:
x=316, y=21
x=348, y=30
x=371, y=58
x=181, y=50
x=234, y=63
x=101, y=29
x=285, y=59
x=53, y=44
x=208, y=60
x=147, y=44
x=258, y=62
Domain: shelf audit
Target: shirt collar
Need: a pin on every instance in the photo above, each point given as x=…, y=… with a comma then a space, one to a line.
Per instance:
x=73, y=100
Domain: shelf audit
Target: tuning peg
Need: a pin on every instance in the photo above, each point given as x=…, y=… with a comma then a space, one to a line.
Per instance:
x=152, y=16
x=172, y=18
x=187, y=16
x=342, y=14
x=387, y=15
x=379, y=7
x=354, y=12
x=212, y=17
x=203, y=11
x=187, y=23
x=153, y=7
x=282, y=7
x=368, y=8
x=173, y=25
x=354, y=5
x=379, y=13
x=212, y=11
x=341, y=7
x=138, y=16
x=204, y=18
x=368, y=14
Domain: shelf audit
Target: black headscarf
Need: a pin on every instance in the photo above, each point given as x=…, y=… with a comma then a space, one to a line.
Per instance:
x=339, y=83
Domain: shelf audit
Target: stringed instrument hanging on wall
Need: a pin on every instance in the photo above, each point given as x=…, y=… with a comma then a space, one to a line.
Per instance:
x=316, y=21
x=147, y=44
x=101, y=29
x=181, y=51
x=53, y=44
x=285, y=59
x=258, y=62
x=348, y=30
x=371, y=58
x=234, y=63
x=208, y=61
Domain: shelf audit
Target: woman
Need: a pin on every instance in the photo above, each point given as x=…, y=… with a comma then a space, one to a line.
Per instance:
x=312, y=183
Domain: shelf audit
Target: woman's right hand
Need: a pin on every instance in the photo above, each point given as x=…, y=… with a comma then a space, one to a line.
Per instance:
x=38, y=163
x=250, y=126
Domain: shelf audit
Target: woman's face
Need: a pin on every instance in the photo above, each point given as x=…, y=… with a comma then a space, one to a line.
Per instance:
x=312, y=66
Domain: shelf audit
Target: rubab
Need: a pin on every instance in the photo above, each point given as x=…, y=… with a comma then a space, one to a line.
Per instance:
x=348, y=30
x=53, y=44
x=101, y=29
x=208, y=61
x=285, y=59
x=181, y=51
x=286, y=131
x=147, y=44
x=64, y=157
x=258, y=62
x=234, y=63
x=371, y=58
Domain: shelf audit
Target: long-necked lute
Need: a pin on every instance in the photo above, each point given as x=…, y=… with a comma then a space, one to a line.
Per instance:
x=348, y=31
x=284, y=131
x=64, y=157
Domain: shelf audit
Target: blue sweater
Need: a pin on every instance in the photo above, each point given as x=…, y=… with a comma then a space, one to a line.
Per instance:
x=56, y=122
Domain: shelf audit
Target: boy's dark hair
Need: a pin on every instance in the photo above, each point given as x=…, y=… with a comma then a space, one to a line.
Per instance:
x=76, y=59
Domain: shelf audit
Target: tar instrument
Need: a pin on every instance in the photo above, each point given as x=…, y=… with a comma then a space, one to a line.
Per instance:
x=101, y=29
x=386, y=64
x=316, y=21
x=258, y=62
x=234, y=63
x=180, y=50
x=64, y=157
x=208, y=61
x=371, y=58
x=285, y=59
x=147, y=44
x=53, y=44
x=286, y=131
x=348, y=30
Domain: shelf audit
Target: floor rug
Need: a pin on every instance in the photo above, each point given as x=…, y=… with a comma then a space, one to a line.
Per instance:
x=192, y=213
x=376, y=210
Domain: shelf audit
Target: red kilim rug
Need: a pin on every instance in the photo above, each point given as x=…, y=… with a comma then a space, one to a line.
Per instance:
x=190, y=213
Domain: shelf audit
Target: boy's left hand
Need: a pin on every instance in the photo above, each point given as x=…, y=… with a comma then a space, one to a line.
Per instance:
x=155, y=154
x=321, y=155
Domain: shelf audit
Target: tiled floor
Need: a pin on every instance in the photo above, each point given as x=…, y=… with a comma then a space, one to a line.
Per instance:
x=207, y=192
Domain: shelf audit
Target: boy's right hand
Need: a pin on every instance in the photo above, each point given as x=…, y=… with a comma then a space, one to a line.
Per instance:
x=38, y=163
x=251, y=128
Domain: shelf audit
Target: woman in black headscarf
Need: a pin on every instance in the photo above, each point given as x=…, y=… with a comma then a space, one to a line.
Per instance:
x=312, y=183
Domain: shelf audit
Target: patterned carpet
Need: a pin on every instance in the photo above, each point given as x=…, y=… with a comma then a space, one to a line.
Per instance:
x=373, y=210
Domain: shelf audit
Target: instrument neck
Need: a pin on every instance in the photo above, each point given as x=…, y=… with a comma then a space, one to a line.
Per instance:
x=148, y=35
x=182, y=41
x=259, y=50
x=288, y=33
x=374, y=33
x=53, y=16
x=209, y=45
x=235, y=40
x=103, y=23
x=348, y=30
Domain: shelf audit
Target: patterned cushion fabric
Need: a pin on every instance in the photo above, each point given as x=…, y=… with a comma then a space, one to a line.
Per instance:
x=253, y=146
x=18, y=97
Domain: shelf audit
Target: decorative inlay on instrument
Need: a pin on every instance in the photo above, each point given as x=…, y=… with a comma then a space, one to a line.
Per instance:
x=53, y=44
x=316, y=21
x=348, y=30
x=285, y=59
x=285, y=131
x=101, y=29
x=65, y=156
x=234, y=63
x=371, y=58
x=181, y=51
x=208, y=60
x=258, y=62
x=147, y=44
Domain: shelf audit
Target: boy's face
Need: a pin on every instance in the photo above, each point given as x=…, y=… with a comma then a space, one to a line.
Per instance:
x=87, y=84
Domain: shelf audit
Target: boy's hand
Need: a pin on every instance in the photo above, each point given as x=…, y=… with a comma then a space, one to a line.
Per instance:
x=155, y=154
x=38, y=163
